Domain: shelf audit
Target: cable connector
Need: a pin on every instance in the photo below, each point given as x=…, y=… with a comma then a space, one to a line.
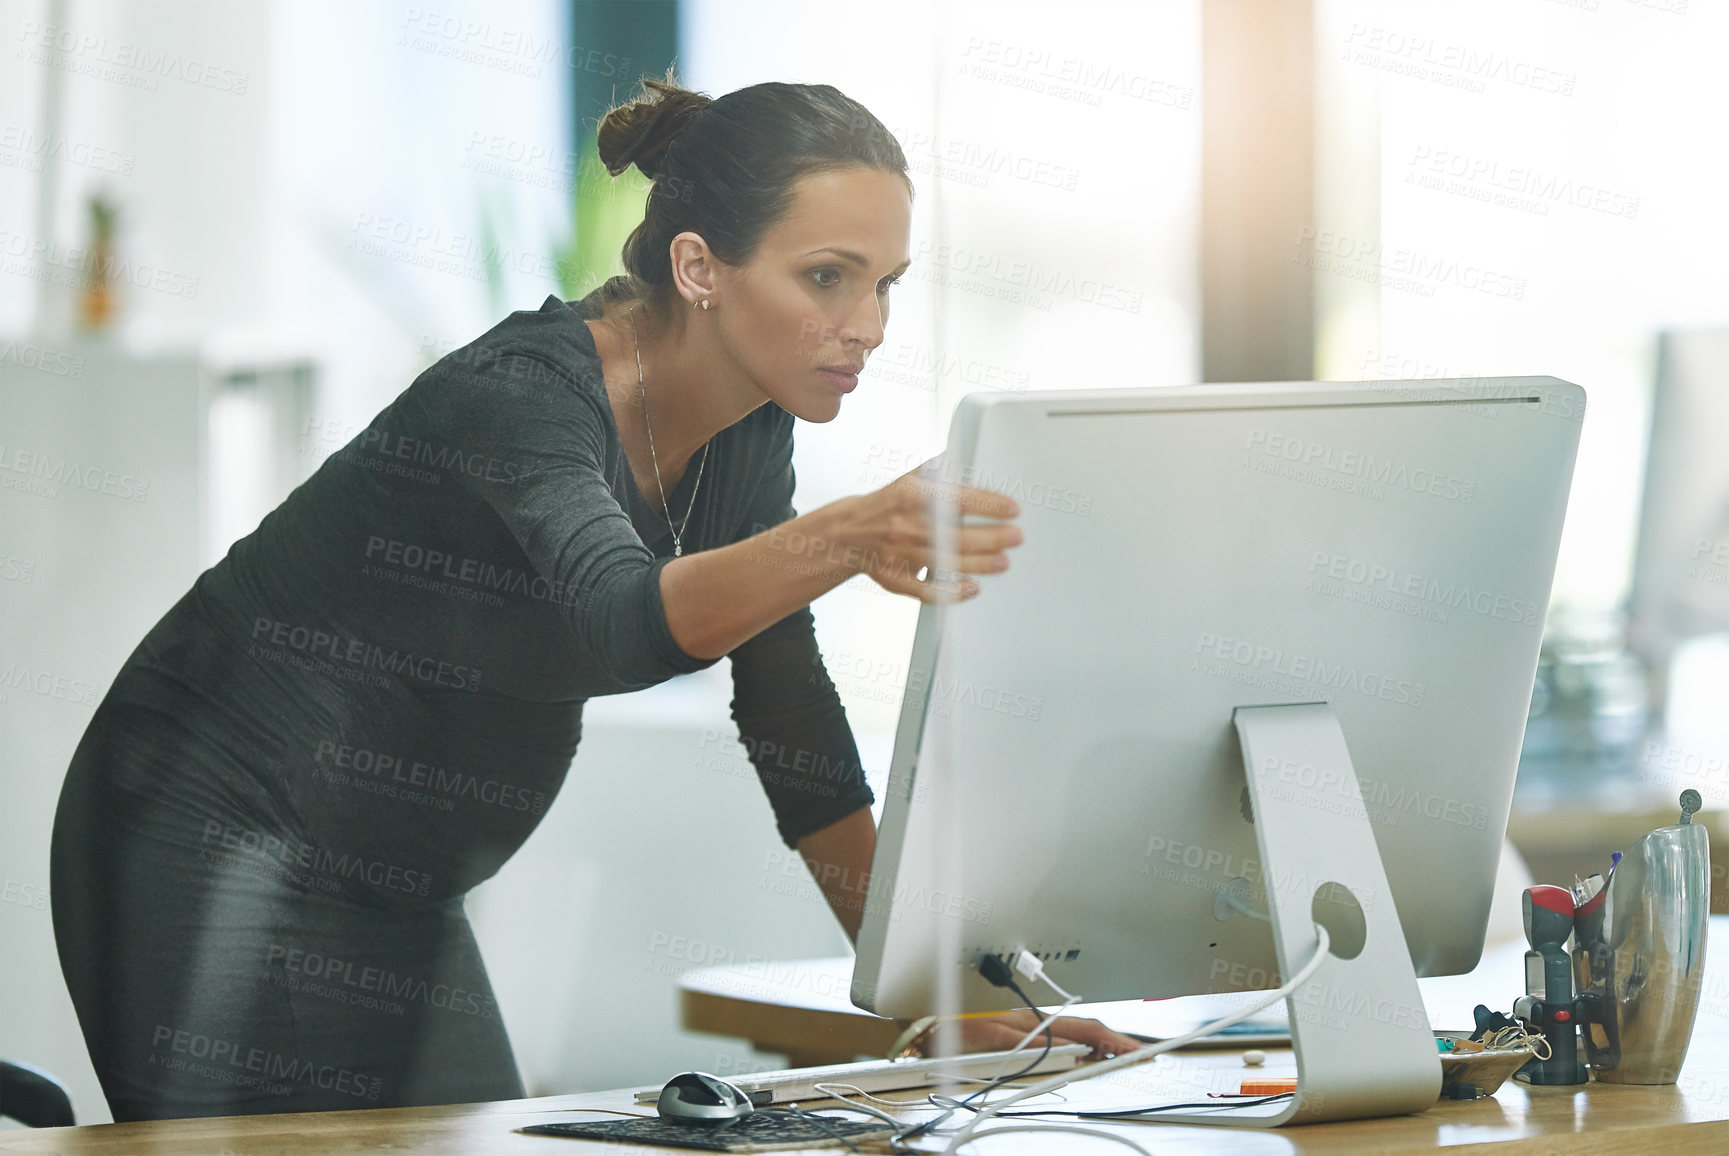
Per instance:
x=1033, y=968
x=995, y=970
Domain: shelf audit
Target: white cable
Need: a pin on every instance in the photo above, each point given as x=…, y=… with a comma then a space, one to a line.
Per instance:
x=1151, y=1050
x=877, y=1112
x=1099, y=1133
x=924, y=1101
x=825, y=1085
x=1241, y=905
x=997, y=1082
x=1052, y=984
x=828, y=1089
x=1033, y=968
x=1042, y=1025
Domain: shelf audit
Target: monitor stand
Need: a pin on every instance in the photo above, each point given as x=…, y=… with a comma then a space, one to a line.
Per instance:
x=1359, y=1030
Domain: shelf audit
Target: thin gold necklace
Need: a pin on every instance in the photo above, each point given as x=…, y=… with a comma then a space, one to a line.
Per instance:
x=642, y=395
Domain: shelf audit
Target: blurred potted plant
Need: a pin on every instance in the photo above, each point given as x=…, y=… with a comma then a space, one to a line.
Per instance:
x=96, y=299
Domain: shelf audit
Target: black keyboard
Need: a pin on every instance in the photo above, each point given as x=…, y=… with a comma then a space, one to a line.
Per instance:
x=758, y=1132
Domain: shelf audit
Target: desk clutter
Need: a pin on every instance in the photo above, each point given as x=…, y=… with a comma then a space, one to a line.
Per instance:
x=1612, y=978
x=1629, y=988
x=1478, y=1064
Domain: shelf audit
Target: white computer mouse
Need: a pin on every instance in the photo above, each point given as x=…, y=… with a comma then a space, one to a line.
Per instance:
x=700, y=1096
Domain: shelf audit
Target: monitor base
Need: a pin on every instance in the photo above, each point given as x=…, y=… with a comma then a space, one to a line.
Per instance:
x=1361, y=1035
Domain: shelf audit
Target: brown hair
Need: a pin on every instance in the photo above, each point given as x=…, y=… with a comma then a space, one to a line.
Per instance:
x=724, y=167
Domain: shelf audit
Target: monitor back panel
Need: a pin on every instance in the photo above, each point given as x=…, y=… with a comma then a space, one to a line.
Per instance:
x=1066, y=775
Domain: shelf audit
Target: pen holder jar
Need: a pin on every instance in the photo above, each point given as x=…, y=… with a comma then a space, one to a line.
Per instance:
x=1639, y=950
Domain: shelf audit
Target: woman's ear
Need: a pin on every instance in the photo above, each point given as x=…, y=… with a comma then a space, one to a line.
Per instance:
x=693, y=268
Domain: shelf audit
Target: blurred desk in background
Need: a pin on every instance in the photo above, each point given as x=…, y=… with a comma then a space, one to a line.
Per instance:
x=1572, y=809
x=799, y=1009
x=1561, y=842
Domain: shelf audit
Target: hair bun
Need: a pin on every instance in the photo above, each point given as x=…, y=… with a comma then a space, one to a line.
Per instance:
x=641, y=131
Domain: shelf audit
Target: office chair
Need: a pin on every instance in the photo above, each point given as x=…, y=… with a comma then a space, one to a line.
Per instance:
x=33, y=1097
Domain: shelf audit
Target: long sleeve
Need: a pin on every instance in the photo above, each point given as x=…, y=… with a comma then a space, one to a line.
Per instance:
x=531, y=443
x=789, y=715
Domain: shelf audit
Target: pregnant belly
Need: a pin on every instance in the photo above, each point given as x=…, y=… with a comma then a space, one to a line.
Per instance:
x=396, y=793
x=449, y=789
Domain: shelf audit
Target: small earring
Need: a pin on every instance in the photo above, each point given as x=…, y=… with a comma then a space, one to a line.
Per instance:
x=705, y=302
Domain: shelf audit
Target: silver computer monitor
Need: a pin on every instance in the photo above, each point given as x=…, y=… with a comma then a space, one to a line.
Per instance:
x=1068, y=775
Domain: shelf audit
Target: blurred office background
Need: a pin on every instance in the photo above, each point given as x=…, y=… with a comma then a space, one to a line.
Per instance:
x=302, y=205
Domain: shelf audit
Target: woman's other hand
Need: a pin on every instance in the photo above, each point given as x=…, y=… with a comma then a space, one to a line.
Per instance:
x=999, y=1033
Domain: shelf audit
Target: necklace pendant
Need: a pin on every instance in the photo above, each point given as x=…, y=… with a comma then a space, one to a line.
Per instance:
x=677, y=551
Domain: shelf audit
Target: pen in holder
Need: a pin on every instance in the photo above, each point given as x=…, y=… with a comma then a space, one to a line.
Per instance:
x=1639, y=954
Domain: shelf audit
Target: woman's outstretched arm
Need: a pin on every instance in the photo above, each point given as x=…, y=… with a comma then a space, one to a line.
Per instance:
x=839, y=859
x=716, y=599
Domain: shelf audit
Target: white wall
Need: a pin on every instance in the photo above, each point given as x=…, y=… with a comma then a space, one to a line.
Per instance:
x=338, y=120
x=84, y=572
x=327, y=121
x=1570, y=149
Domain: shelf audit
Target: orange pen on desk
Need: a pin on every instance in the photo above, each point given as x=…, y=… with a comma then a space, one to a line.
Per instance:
x=1268, y=1085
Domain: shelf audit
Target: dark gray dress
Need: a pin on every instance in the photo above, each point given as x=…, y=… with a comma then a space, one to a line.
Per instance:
x=363, y=710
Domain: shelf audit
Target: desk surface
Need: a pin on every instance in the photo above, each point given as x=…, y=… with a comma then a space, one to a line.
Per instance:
x=1689, y=1117
x=1600, y=1119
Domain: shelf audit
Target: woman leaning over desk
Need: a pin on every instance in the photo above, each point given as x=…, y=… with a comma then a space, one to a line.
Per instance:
x=577, y=503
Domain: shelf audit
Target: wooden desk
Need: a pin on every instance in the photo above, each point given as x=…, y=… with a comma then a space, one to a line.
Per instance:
x=1691, y=1119
x=1684, y=1119
x=1559, y=842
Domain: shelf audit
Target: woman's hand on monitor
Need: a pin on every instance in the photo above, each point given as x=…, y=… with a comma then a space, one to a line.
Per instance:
x=894, y=529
